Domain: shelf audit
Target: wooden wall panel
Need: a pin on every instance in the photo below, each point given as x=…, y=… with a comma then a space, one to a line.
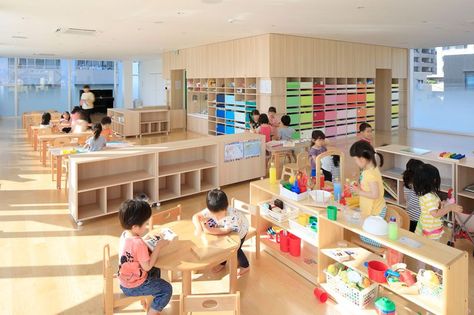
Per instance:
x=166, y=65
x=344, y=64
x=400, y=63
x=383, y=57
x=364, y=60
x=324, y=56
x=277, y=66
x=261, y=68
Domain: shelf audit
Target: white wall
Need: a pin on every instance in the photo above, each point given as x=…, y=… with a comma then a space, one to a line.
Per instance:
x=152, y=85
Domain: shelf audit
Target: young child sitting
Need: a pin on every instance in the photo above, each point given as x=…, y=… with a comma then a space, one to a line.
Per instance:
x=264, y=127
x=107, y=132
x=426, y=183
x=254, y=118
x=370, y=188
x=365, y=131
x=285, y=132
x=65, y=122
x=273, y=120
x=79, y=122
x=412, y=200
x=46, y=120
x=96, y=142
x=318, y=146
x=135, y=259
x=218, y=219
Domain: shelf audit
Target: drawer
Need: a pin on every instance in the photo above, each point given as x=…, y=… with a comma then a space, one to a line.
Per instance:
x=351, y=128
x=330, y=131
x=229, y=99
x=306, y=125
x=306, y=118
x=305, y=134
x=330, y=115
x=395, y=109
x=370, y=111
x=351, y=121
x=250, y=103
x=330, y=99
x=395, y=122
x=351, y=113
x=220, y=98
x=229, y=115
x=318, y=124
x=361, y=112
x=361, y=97
x=306, y=100
x=229, y=130
x=239, y=116
x=306, y=85
x=293, y=100
x=318, y=107
x=239, y=130
x=370, y=97
x=295, y=119
x=292, y=110
x=220, y=113
x=318, y=116
x=341, y=130
x=318, y=99
x=292, y=85
x=341, y=98
x=341, y=114
x=293, y=92
x=395, y=96
x=220, y=128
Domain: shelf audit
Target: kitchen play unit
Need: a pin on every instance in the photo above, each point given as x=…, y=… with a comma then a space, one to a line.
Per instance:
x=319, y=250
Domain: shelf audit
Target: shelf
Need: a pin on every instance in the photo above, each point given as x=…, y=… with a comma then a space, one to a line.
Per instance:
x=208, y=179
x=466, y=194
x=190, y=183
x=91, y=204
x=89, y=212
x=112, y=180
x=284, y=225
x=394, y=173
x=169, y=187
x=363, y=255
x=297, y=264
x=113, y=205
x=184, y=167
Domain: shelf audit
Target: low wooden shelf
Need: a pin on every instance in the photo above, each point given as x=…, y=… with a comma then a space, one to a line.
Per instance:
x=140, y=121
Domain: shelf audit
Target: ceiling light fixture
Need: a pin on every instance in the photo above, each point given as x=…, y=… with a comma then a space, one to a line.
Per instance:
x=231, y=21
x=180, y=13
x=19, y=37
x=424, y=22
x=75, y=31
x=158, y=22
x=360, y=7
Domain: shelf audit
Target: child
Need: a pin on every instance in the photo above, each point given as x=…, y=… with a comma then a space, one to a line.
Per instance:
x=79, y=122
x=218, y=219
x=426, y=183
x=318, y=142
x=365, y=131
x=254, y=117
x=370, y=188
x=65, y=122
x=412, y=200
x=96, y=142
x=107, y=132
x=330, y=167
x=135, y=260
x=264, y=127
x=273, y=120
x=46, y=120
x=285, y=132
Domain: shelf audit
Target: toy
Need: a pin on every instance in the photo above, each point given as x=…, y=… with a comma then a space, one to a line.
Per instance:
x=452, y=156
x=320, y=294
x=451, y=199
x=385, y=306
x=347, y=189
x=302, y=180
x=291, y=180
x=295, y=188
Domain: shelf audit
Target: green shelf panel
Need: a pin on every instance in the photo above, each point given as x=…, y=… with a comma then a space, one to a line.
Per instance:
x=306, y=126
x=306, y=100
x=295, y=118
x=295, y=136
x=306, y=118
x=290, y=110
x=293, y=100
x=293, y=92
x=370, y=97
x=292, y=85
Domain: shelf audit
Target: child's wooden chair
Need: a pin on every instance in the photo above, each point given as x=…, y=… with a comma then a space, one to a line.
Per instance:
x=252, y=213
x=113, y=300
x=58, y=143
x=163, y=217
x=210, y=303
x=330, y=152
x=291, y=169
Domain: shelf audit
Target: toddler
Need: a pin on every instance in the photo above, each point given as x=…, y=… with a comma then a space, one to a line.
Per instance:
x=96, y=142
x=273, y=120
x=286, y=132
x=411, y=198
x=365, y=131
x=65, y=122
x=46, y=120
x=254, y=118
x=318, y=146
x=135, y=259
x=107, y=132
x=264, y=127
x=218, y=219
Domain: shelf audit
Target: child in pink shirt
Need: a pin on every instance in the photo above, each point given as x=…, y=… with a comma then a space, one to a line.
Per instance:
x=274, y=121
x=264, y=129
x=136, y=262
x=365, y=131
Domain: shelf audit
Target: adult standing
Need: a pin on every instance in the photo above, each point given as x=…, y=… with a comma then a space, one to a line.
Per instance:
x=87, y=101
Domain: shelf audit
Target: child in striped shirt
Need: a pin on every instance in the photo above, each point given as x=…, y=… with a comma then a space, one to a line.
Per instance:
x=426, y=184
x=412, y=200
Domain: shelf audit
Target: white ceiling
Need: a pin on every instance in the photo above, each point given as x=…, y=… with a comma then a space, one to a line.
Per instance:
x=130, y=29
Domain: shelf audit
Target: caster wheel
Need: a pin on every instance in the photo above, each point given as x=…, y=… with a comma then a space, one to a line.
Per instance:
x=450, y=244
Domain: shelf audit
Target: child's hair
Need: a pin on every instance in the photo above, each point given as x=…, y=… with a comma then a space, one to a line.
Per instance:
x=217, y=200
x=252, y=113
x=426, y=179
x=106, y=121
x=263, y=119
x=86, y=87
x=364, y=126
x=336, y=159
x=66, y=113
x=134, y=212
x=97, y=129
x=316, y=135
x=272, y=109
x=76, y=109
x=285, y=120
x=45, y=118
x=409, y=172
x=363, y=149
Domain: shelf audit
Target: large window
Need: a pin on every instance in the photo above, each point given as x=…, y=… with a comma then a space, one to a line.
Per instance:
x=442, y=92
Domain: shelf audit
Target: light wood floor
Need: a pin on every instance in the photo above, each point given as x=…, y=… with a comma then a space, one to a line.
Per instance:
x=49, y=266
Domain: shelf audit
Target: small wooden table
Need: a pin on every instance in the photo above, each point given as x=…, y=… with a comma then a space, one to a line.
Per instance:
x=279, y=151
x=181, y=256
x=44, y=139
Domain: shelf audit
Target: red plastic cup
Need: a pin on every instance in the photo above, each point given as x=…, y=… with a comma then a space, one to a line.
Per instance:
x=284, y=241
x=320, y=294
x=295, y=245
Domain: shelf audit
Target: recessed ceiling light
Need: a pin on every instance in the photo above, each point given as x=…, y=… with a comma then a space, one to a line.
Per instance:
x=231, y=21
x=360, y=7
x=158, y=22
x=273, y=25
x=19, y=37
x=424, y=22
x=180, y=12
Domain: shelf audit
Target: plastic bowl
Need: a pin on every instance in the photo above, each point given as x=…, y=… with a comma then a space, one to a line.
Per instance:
x=375, y=225
x=320, y=196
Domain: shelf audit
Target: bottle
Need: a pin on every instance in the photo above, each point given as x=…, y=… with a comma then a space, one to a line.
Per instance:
x=337, y=190
x=347, y=189
x=272, y=173
x=393, y=229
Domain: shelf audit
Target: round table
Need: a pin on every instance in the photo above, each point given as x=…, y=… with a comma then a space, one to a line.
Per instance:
x=197, y=252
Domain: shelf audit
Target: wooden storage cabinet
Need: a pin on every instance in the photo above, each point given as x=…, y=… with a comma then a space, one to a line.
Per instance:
x=91, y=204
x=169, y=187
x=141, y=121
x=116, y=195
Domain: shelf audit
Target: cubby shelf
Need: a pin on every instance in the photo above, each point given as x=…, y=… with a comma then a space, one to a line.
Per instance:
x=185, y=166
x=112, y=180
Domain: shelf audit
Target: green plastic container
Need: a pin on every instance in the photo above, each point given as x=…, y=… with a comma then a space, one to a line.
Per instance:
x=293, y=100
x=385, y=306
x=332, y=213
x=306, y=100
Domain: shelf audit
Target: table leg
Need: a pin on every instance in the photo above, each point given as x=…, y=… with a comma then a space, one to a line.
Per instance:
x=43, y=148
x=186, y=288
x=233, y=272
x=278, y=165
x=35, y=140
x=59, y=168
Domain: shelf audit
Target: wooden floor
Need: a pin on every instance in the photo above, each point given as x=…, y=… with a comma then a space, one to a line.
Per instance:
x=49, y=266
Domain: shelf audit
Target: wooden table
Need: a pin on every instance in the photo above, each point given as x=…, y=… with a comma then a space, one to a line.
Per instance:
x=44, y=139
x=181, y=257
x=278, y=151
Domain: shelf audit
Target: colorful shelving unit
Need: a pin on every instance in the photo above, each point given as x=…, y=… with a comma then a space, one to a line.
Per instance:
x=395, y=103
x=335, y=105
x=229, y=102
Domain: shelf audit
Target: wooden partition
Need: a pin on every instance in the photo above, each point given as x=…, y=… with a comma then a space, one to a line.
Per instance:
x=100, y=181
x=141, y=121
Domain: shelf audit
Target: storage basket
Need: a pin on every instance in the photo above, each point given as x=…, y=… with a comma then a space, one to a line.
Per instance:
x=429, y=289
x=288, y=212
x=344, y=293
x=302, y=231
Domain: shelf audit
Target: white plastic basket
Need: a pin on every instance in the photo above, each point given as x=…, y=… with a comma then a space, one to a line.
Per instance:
x=302, y=231
x=292, y=195
x=344, y=293
x=429, y=289
x=288, y=212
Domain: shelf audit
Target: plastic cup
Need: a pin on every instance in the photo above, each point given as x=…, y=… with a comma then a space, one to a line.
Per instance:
x=332, y=213
x=321, y=294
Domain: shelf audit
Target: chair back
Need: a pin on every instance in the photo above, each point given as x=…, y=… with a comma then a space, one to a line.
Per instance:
x=210, y=303
x=330, y=152
x=107, y=272
x=167, y=216
x=247, y=209
x=400, y=215
x=302, y=160
x=44, y=131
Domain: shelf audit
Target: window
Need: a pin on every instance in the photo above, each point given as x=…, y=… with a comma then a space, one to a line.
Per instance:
x=442, y=95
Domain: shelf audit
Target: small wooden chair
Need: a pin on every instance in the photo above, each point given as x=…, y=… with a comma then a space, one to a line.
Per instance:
x=291, y=169
x=42, y=132
x=58, y=143
x=252, y=213
x=403, y=219
x=330, y=152
x=113, y=300
x=163, y=217
x=210, y=303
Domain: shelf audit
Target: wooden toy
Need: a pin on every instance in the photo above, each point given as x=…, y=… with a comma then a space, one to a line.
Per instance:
x=455, y=157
